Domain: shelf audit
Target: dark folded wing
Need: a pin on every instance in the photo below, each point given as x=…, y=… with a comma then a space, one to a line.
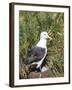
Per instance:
x=34, y=55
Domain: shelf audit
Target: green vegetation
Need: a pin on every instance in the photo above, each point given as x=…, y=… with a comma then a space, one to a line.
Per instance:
x=31, y=25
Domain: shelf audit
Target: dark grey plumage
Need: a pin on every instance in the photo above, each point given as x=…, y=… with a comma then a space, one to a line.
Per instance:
x=34, y=55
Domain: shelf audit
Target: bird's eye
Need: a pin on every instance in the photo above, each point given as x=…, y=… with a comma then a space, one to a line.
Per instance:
x=44, y=34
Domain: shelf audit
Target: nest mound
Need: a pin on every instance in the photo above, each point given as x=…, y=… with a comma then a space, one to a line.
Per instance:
x=28, y=72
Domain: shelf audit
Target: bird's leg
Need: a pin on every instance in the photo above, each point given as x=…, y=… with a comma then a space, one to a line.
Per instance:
x=40, y=72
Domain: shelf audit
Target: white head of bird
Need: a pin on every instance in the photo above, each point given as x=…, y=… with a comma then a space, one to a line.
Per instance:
x=43, y=39
x=44, y=35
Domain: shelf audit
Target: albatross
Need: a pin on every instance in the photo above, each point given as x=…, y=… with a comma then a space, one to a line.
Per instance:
x=37, y=54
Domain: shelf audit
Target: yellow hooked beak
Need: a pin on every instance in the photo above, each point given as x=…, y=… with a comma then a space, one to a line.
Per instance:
x=49, y=37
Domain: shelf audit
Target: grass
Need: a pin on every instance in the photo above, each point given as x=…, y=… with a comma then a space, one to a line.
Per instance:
x=31, y=24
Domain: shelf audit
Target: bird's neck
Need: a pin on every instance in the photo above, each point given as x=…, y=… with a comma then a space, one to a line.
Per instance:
x=42, y=43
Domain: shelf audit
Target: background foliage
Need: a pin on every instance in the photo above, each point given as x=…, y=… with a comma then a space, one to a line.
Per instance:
x=31, y=25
